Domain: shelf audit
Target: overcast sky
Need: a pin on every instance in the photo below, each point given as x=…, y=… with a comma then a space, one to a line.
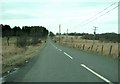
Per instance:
x=74, y=15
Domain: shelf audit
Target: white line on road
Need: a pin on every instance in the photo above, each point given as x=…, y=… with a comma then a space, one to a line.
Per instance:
x=53, y=45
x=59, y=49
x=56, y=48
x=101, y=77
x=1, y=80
x=68, y=55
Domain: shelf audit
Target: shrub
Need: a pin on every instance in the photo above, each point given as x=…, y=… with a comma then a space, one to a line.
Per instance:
x=35, y=40
x=21, y=41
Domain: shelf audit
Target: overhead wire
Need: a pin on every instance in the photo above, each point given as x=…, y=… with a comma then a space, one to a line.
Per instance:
x=99, y=13
x=102, y=11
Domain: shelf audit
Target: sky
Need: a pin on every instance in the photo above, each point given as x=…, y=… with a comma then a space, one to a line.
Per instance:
x=75, y=15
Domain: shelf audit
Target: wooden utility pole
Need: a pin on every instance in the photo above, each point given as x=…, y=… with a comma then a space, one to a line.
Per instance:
x=59, y=32
x=67, y=36
x=94, y=34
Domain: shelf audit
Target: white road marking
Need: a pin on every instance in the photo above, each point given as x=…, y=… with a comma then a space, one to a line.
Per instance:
x=53, y=45
x=101, y=77
x=56, y=47
x=68, y=55
x=59, y=49
x=1, y=80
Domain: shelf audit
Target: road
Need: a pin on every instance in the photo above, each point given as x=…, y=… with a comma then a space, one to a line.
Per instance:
x=56, y=63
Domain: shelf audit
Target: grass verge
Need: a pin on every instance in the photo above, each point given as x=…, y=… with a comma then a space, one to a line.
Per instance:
x=14, y=57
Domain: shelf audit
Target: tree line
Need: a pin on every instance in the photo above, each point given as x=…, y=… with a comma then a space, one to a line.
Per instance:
x=103, y=37
x=24, y=34
x=28, y=30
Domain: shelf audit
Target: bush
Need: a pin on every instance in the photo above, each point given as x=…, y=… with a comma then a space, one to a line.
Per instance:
x=35, y=40
x=101, y=39
x=21, y=41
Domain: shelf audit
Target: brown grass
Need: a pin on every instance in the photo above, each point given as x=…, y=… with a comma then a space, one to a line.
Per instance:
x=77, y=42
x=13, y=56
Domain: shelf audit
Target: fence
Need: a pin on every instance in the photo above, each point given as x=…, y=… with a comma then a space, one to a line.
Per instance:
x=106, y=48
x=109, y=49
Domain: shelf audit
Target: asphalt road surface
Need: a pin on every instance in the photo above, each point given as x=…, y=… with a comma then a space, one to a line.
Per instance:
x=56, y=63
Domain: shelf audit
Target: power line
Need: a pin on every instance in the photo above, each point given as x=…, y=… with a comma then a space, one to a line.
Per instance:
x=110, y=10
x=102, y=10
x=101, y=15
x=94, y=18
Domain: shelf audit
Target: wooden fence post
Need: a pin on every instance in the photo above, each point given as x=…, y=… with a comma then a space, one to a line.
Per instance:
x=110, y=50
x=83, y=46
x=97, y=48
x=91, y=47
x=80, y=46
x=88, y=48
x=102, y=49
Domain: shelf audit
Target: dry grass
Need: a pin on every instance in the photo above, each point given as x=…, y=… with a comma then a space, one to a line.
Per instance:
x=77, y=42
x=13, y=56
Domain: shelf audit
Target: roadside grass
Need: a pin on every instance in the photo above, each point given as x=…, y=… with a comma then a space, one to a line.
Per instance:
x=78, y=42
x=14, y=57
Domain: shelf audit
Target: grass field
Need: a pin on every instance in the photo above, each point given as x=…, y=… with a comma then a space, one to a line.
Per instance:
x=87, y=45
x=13, y=57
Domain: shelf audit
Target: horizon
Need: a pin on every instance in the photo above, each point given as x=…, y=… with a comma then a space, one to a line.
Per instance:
x=58, y=32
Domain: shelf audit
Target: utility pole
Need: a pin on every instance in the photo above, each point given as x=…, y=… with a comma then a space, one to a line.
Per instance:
x=95, y=28
x=67, y=36
x=59, y=32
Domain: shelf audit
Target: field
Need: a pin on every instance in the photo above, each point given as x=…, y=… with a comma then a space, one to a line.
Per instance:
x=105, y=48
x=14, y=57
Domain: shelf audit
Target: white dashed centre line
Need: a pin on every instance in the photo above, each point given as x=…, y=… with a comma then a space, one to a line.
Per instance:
x=53, y=45
x=68, y=55
x=101, y=77
x=64, y=52
x=59, y=49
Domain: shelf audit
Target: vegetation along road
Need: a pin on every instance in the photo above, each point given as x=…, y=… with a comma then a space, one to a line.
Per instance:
x=56, y=63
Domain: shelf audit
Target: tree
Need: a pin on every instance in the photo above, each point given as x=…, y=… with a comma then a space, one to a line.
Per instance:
x=26, y=30
x=35, y=32
x=16, y=30
x=6, y=32
x=51, y=34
